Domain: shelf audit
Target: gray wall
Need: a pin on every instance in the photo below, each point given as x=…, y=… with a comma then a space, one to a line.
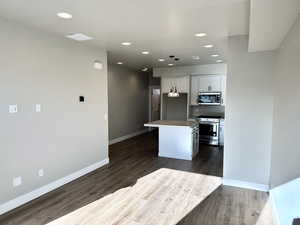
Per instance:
x=175, y=108
x=285, y=148
x=249, y=113
x=128, y=101
x=38, y=68
x=153, y=81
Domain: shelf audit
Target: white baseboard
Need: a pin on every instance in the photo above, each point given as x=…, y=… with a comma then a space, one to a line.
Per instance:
x=123, y=138
x=247, y=185
x=21, y=200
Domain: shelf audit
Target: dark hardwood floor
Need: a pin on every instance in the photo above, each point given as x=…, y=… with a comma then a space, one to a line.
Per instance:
x=131, y=160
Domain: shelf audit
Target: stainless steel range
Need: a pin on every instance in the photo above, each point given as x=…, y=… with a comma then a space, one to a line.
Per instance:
x=209, y=129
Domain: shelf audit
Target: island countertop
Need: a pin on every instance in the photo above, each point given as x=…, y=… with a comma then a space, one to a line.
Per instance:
x=176, y=123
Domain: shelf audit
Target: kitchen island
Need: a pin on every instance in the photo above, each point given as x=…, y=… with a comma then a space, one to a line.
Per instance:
x=177, y=139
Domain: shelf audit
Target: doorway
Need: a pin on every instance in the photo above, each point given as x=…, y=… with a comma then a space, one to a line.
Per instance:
x=154, y=103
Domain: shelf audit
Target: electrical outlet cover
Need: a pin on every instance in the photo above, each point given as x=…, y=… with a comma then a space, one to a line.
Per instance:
x=41, y=172
x=17, y=181
x=13, y=109
x=38, y=108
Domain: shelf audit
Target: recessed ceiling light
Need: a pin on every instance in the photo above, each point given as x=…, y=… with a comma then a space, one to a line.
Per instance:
x=200, y=34
x=145, y=69
x=196, y=57
x=161, y=60
x=79, y=37
x=64, y=15
x=215, y=55
x=208, y=46
x=126, y=43
x=219, y=61
x=120, y=63
x=170, y=64
x=145, y=52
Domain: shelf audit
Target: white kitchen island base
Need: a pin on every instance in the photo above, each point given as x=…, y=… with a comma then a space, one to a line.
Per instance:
x=177, y=139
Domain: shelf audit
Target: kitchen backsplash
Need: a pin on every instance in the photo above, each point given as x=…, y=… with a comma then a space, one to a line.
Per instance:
x=207, y=110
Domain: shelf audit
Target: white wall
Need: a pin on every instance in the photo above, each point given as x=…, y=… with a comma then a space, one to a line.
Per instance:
x=249, y=113
x=286, y=200
x=285, y=148
x=128, y=101
x=210, y=69
x=38, y=68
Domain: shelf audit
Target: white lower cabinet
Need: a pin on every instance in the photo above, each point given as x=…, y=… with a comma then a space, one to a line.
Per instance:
x=178, y=142
x=195, y=141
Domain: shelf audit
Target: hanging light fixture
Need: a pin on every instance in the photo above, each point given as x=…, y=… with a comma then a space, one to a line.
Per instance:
x=173, y=93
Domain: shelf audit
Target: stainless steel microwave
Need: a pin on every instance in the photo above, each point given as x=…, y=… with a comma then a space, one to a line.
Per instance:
x=209, y=98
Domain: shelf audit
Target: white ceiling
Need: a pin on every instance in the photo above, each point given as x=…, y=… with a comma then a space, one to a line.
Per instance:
x=163, y=27
x=270, y=21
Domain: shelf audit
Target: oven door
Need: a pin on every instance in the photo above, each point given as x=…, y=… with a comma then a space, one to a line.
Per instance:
x=209, y=98
x=209, y=133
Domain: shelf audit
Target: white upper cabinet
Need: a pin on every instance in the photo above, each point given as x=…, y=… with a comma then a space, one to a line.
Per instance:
x=194, y=89
x=207, y=83
x=181, y=83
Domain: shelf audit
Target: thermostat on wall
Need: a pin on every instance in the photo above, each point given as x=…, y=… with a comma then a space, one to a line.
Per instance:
x=81, y=99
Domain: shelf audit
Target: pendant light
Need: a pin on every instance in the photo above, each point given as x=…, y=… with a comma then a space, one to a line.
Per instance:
x=173, y=93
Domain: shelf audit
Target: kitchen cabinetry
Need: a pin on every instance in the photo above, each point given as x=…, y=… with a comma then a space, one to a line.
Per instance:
x=181, y=83
x=195, y=141
x=223, y=89
x=222, y=132
x=194, y=89
x=177, y=139
x=207, y=83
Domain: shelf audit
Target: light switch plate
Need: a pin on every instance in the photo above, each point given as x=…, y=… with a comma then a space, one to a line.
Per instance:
x=105, y=116
x=38, y=108
x=98, y=65
x=17, y=181
x=41, y=172
x=13, y=108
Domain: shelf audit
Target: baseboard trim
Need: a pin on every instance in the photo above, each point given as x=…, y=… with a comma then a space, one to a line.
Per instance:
x=23, y=199
x=247, y=185
x=123, y=138
x=274, y=208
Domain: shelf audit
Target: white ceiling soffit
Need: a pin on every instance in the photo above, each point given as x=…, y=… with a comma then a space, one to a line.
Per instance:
x=270, y=21
x=162, y=27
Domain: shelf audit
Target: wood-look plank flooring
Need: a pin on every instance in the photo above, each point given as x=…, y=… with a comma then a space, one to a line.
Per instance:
x=131, y=160
x=163, y=197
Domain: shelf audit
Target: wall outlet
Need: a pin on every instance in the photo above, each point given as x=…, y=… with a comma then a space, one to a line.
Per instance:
x=38, y=108
x=17, y=181
x=12, y=108
x=41, y=172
